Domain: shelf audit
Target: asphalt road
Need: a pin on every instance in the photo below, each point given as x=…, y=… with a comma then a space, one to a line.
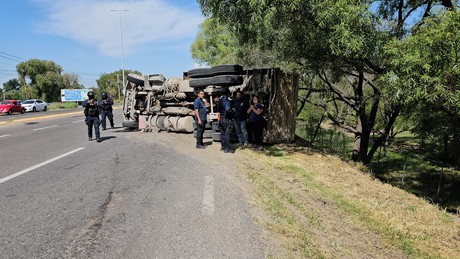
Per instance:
x=134, y=195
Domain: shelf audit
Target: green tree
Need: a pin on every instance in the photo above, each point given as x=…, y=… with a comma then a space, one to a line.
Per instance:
x=50, y=85
x=112, y=83
x=33, y=70
x=342, y=41
x=13, y=95
x=427, y=63
x=214, y=44
x=12, y=84
x=70, y=81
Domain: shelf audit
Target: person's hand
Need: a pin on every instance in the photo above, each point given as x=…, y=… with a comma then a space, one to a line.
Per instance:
x=200, y=122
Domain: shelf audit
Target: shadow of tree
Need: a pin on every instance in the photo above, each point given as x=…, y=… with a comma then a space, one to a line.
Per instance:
x=411, y=171
x=408, y=169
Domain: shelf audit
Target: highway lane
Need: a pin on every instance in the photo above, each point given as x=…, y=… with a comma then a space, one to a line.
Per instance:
x=29, y=141
x=131, y=196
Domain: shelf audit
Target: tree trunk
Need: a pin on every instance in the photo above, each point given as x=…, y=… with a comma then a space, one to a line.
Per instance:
x=357, y=145
x=317, y=128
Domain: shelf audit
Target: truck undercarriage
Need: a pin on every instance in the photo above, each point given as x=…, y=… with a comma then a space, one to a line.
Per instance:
x=153, y=103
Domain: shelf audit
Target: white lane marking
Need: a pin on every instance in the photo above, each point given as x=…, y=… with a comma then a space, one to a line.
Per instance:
x=78, y=121
x=2, y=136
x=46, y=127
x=208, y=195
x=39, y=165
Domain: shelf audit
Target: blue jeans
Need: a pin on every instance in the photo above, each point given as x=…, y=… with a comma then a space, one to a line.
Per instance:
x=199, y=133
x=108, y=114
x=93, y=122
x=241, y=131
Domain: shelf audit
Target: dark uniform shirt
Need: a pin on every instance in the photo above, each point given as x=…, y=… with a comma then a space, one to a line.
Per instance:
x=91, y=110
x=253, y=116
x=107, y=106
x=241, y=106
x=201, y=107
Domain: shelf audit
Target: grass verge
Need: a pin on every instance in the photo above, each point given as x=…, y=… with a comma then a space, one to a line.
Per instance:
x=65, y=105
x=318, y=206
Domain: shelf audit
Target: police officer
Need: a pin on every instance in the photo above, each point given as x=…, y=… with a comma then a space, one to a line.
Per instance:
x=224, y=108
x=92, y=116
x=106, y=110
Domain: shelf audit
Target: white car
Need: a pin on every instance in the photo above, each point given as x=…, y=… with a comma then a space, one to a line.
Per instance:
x=33, y=105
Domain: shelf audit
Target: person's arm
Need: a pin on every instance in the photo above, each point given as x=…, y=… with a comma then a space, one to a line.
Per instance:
x=257, y=111
x=228, y=105
x=197, y=114
x=250, y=109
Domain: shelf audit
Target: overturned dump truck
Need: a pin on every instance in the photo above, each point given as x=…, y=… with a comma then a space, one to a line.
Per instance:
x=153, y=103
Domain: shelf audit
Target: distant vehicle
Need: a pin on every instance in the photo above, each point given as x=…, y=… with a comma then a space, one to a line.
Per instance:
x=33, y=105
x=10, y=106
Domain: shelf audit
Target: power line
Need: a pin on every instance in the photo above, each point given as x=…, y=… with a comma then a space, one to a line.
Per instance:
x=80, y=73
x=6, y=57
x=11, y=57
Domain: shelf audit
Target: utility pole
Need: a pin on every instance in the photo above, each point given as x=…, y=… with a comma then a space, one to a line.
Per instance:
x=121, y=40
x=118, y=86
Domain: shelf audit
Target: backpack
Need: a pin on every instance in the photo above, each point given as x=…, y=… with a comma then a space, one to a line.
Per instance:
x=221, y=108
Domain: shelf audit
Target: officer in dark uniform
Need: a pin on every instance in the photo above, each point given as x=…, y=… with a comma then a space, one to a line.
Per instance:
x=224, y=108
x=92, y=116
x=105, y=106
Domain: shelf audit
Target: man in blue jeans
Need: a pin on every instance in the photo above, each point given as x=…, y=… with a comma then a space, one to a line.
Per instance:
x=105, y=105
x=200, y=118
x=241, y=106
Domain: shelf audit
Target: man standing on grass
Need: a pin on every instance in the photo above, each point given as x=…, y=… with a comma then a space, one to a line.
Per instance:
x=241, y=106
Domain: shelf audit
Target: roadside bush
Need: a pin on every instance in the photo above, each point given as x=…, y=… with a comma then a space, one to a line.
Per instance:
x=65, y=105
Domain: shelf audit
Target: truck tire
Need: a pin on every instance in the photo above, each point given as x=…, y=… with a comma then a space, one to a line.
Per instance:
x=156, y=79
x=216, y=136
x=130, y=124
x=206, y=134
x=200, y=82
x=213, y=90
x=226, y=80
x=200, y=73
x=227, y=70
x=215, y=126
x=136, y=79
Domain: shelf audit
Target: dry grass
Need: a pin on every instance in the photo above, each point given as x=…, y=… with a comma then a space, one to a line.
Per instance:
x=316, y=206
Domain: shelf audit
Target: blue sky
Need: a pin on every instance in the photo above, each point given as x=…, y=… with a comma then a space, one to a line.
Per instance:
x=83, y=36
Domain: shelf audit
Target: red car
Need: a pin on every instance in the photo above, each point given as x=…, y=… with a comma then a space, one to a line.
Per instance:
x=10, y=106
